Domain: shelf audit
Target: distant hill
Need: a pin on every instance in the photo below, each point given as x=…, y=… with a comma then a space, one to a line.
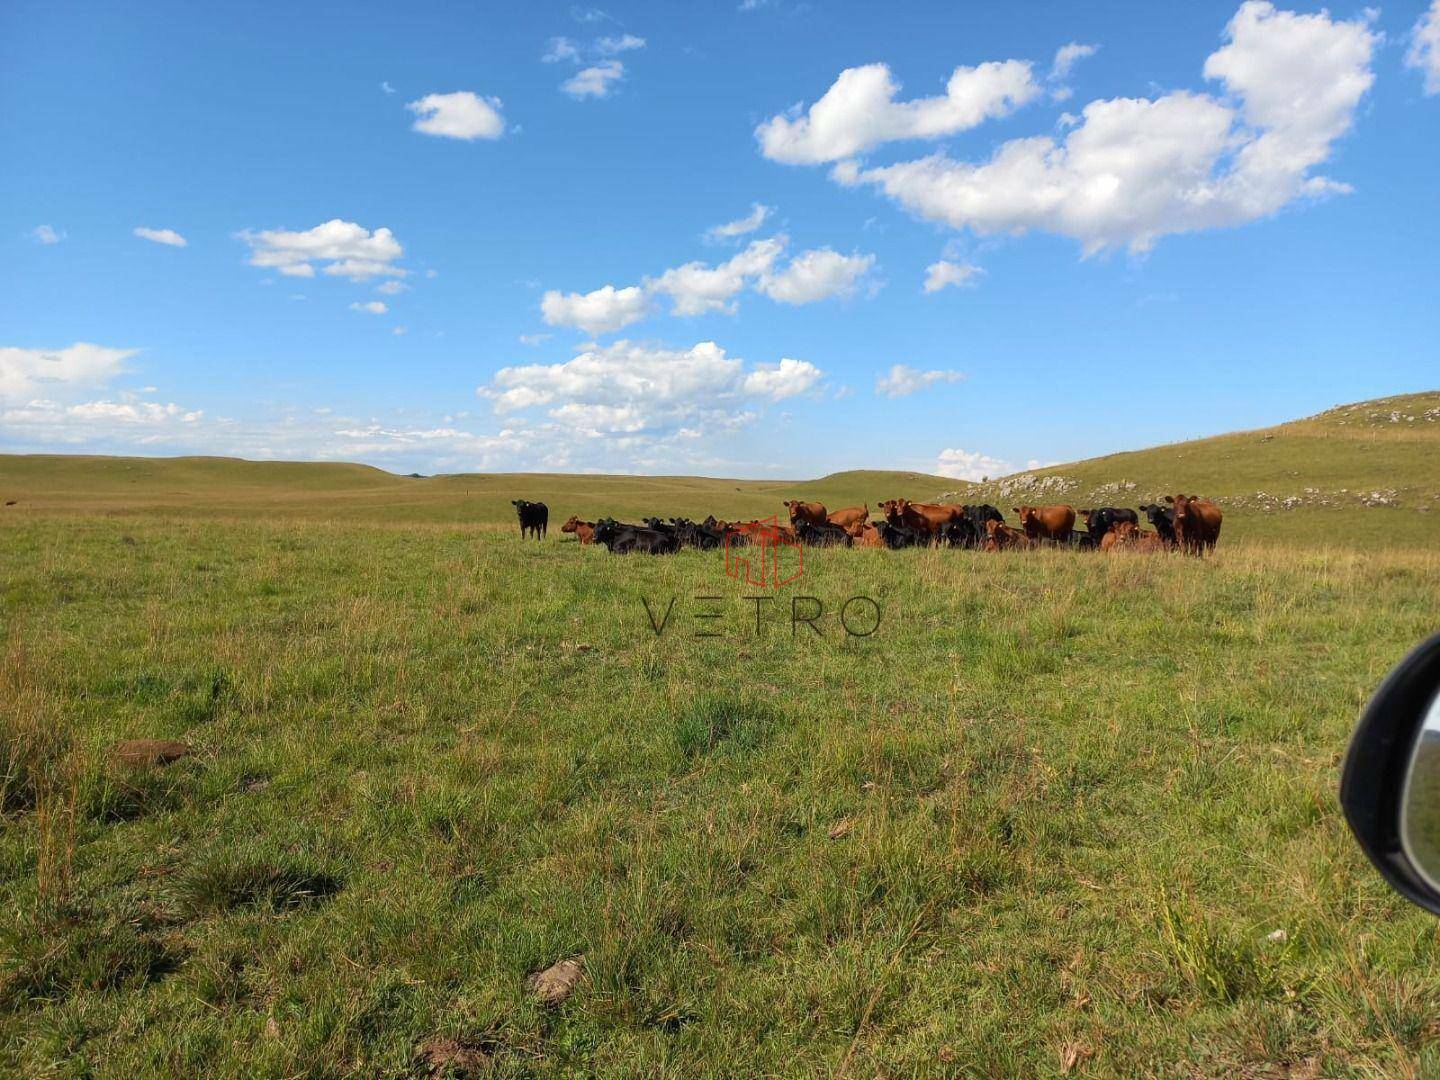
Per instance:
x=1367, y=473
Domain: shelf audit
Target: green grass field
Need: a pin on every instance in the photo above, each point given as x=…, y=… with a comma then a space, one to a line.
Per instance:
x=1058, y=813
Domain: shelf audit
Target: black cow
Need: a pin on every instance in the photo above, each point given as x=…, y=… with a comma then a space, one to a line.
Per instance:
x=900, y=536
x=659, y=526
x=978, y=515
x=534, y=517
x=697, y=536
x=961, y=534
x=826, y=535
x=1083, y=541
x=1101, y=521
x=622, y=539
x=1162, y=518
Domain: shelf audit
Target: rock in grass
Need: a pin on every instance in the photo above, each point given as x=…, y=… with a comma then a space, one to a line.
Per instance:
x=442, y=1055
x=558, y=981
x=138, y=753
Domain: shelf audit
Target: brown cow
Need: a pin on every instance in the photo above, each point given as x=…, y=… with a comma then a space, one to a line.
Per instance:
x=812, y=512
x=751, y=529
x=928, y=518
x=1197, y=523
x=1000, y=537
x=852, y=515
x=1126, y=536
x=866, y=535
x=584, y=530
x=1047, y=522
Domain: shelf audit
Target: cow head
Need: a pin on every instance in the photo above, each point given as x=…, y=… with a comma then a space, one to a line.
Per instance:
x=519, y=504
x=572, y=525
x=793, y=505
x=1029, y=517
x=1184, y=514
x=894, y=510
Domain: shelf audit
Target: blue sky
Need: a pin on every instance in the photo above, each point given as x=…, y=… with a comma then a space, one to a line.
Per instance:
x=963, y=237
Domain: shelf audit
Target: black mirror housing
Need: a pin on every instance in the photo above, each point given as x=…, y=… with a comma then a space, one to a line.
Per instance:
x=1377, y=766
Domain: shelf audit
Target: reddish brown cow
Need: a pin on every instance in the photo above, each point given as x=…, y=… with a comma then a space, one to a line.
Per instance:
x=584, y=530
x=751, y=529
x=866, y=535
x=812, y=512
x=1000, y=537
x=928, y=518
x=852, y=515
x=1197, y=523
x=1126, y=536
x=1047, y=522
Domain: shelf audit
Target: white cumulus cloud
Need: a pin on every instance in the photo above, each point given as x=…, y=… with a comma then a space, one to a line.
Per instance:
x=860, y=111
x=595, y=81
x=903, y=380
x=697, y=288
x=620, y=43
x=1067, y=56
x=46, y=234
x=461, y=115
x=630, y=388
x=168, y=237
x=816, y=275
x=759, y=212
x=788, y=378
x=371, y=307
x=346, y=249
x=58, y=373
x=971, y=465
x=943, y=273
x=599, y=312
x=1134, y=169
x=1424, y=52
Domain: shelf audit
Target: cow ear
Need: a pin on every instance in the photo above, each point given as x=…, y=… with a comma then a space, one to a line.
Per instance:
x=1169, y=498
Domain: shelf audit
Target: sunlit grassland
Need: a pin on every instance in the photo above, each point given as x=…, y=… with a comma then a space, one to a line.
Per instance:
x=1051, y=811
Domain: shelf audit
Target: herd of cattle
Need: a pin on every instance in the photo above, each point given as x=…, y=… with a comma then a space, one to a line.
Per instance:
x=1185, y=523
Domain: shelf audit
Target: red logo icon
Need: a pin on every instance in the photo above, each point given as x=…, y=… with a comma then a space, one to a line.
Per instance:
x=763, y=554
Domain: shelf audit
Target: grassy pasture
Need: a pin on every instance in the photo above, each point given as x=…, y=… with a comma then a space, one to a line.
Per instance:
x=1362, y=476
x=1058, y=813
x=1048, y=815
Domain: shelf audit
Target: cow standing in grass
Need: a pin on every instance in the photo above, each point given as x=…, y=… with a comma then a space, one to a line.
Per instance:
x=1197, y=523
x=813, y=512
x=534, y=517
x=1047, y=522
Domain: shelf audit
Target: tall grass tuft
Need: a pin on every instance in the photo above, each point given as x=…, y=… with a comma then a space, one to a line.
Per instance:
x=40, y=771
x=713, y=720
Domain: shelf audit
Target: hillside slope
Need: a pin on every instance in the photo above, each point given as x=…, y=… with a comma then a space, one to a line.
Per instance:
x=1367, y=473
x=1363, y=472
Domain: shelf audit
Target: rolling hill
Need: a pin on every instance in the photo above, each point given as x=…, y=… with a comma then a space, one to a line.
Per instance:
x=1357, y=474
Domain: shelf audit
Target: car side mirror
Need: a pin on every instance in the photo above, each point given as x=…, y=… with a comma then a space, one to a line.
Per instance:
x=1390, y=786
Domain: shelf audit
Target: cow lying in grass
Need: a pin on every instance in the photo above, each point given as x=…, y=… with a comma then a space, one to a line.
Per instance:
x=1126, y=536
x=584, y=530
x=621, y=539
x=1000, y=537
x=826, y=535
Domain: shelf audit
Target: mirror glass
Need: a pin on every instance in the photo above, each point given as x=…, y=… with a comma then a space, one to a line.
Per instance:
x=1420, y=801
